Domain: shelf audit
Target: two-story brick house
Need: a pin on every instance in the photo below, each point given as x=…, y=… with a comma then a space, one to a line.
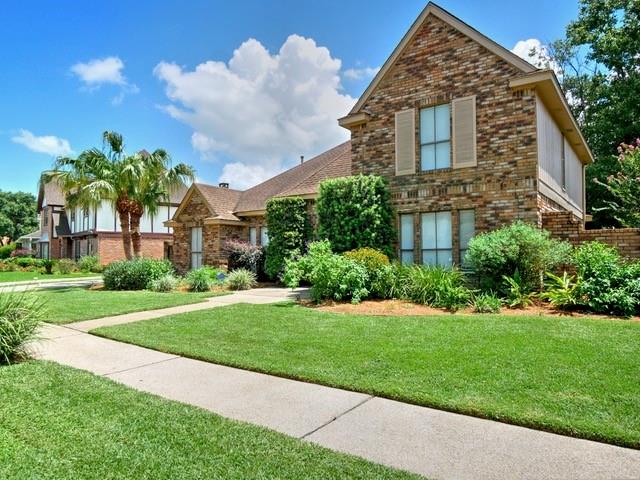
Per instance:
x=469, y=135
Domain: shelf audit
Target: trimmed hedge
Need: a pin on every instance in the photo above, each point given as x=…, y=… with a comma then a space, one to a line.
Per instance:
x=356, y=212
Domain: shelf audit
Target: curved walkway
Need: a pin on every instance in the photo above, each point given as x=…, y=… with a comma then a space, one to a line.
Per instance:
x=436, y=444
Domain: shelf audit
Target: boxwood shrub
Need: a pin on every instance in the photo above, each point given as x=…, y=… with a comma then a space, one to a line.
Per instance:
x=134, y=274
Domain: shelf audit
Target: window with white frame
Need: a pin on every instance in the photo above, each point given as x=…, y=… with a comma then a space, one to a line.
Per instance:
x=406, y=239
x=196, y=247
x=436, y=239
x=253, y=235
x=264, y=236
x=435, y=137
x=466, y=230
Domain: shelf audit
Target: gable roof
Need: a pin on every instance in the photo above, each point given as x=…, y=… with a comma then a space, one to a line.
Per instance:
x=442, y=14
x=51, y=193
x=220, y=201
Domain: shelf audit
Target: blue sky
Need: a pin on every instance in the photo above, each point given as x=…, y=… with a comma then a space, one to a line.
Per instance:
x=160, y=73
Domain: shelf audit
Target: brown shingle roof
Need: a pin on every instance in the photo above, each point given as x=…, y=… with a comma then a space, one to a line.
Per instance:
x=299, y=180
x=221, y=201
x=51, y=192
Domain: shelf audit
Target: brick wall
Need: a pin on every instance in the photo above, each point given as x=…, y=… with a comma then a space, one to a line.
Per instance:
x=110, y=249
x=441, y=64
x=565, y=226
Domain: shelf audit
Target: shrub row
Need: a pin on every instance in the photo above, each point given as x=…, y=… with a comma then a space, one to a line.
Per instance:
x=64, y=265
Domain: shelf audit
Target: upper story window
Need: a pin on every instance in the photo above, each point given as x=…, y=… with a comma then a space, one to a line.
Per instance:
x=435, y=137
x=45, y=217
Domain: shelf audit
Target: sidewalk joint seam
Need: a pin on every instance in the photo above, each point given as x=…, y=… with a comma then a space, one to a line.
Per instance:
x=141, y=366
x=359, y=404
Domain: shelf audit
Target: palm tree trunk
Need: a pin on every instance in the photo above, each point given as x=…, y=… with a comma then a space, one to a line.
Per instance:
x=136, y=213
x=122, y=207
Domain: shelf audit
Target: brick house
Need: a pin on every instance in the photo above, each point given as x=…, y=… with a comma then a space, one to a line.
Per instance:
x=469, y=136
x=74, y=233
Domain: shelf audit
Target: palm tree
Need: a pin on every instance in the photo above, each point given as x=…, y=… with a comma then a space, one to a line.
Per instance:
x=120, y=179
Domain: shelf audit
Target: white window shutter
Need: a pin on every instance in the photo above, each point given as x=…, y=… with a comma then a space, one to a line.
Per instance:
x=463, y=111
x=405, y=142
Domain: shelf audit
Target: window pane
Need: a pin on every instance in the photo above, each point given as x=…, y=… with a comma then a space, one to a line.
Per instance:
x=443, y=117
x=406, y=257
x=264, y=236
x=445, y=258
x=252, y=235
x=443, y=228
x=196, y=239
x=428, y=230
x=406, y=232
x=429, y=257
x=443, y=155
x=428, y=157
x=467, y=220
x=427, y=125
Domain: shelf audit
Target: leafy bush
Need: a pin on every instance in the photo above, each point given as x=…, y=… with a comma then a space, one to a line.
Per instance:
x=486, y=303
x=289, y=231
x=89, y=263
x=355, y=212
x=8, y=266
x=166, y=283
x=518, y=247
x=378, y=269
x=607, y=284
x=6, y=250
x=22, y=252
x=20, y=316
x=562, y=292
x=199, y=280
x=66, y=266
x=437, y=287
x=241, y=279
x=48, y=265
x=134, y=274
x=332, y=276
x=27, y=262
x=244, y=255
x=519, y=295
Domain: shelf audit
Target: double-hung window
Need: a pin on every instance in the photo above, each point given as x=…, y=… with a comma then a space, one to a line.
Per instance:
x=466, y=230
x=435, y=137
x=253, y=235
x=264, y=236
x=196, y=247
x=436, y=239
x=406, y=239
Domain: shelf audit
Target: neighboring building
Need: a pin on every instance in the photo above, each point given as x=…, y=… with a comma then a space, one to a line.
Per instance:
x=29, y=241
x=74, y=233
x=469, y=136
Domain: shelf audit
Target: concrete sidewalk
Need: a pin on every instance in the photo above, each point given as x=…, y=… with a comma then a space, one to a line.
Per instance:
x=6, y=287
x=436, y=444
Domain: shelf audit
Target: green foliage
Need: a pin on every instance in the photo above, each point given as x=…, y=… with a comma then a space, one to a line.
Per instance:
x=18, y=214
x=89, y=263
x=378, y=269
x=6, y=250
x=48, y=265
x=518, y=247
x=199, y=280
x=27, y=262
x=20, y=316
x=332, y=276
x=166, y=283
x=66, y=266
x=518, y=291
x=134, y=274
x=289, y=231
x=241, y=279
x=244, y=255
x=486, y=303
x=562, y=292
x=608, y=284
x=436, y=286
x=355, y=212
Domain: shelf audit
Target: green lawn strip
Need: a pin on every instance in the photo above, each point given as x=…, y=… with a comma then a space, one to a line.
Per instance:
x=68, y=305
x=62, y=423
x=35, y=276
x=579, y=377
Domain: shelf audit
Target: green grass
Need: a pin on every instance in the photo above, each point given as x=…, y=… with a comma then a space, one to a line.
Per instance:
x=61, y=423
x=579, y=376
x=30, y=276
x=68, y=305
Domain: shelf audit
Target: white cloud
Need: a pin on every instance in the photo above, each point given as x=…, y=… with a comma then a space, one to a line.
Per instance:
x=104, y=71
x=536, y=53
x=262, y=110
x=49, y=144
x=361, y=73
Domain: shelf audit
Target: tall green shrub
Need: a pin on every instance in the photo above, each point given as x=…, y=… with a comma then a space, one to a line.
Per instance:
x=356, y=212
x=289, y=231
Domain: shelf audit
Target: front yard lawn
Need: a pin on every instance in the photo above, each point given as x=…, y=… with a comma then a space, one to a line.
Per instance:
x=31, y=276
x=62, y=423
x=579, y=377
x=68, y=305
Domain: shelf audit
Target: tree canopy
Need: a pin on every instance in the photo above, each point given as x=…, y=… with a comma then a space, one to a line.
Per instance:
x=17, y=214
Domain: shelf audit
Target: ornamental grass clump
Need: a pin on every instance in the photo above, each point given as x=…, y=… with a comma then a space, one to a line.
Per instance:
x=199, y=280
x=20, y=316
x=241, y=279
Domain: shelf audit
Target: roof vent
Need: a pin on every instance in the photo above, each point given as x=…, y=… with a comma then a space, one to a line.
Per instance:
x=223, y=185
x=301, y=159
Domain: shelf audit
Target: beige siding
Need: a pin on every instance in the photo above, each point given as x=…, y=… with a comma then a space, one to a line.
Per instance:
x=550, y=165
